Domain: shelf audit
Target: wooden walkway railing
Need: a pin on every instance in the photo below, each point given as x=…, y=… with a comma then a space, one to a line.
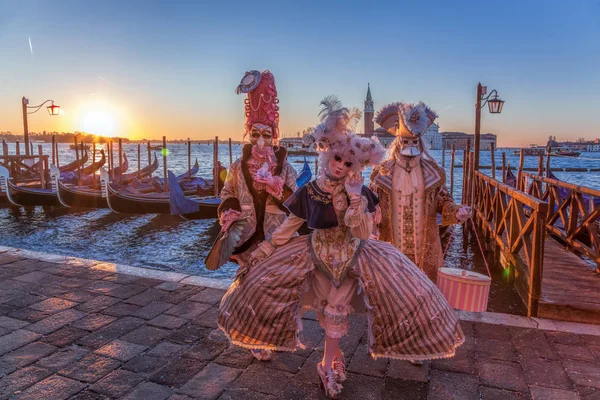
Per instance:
x=574, y=212
x=513, y=222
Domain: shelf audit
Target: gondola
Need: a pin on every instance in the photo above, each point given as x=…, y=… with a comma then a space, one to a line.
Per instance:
x=75, y=164
x=203, y=208
x=23, y=195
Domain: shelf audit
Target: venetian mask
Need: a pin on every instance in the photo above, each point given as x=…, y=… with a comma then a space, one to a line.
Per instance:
x=261, y=135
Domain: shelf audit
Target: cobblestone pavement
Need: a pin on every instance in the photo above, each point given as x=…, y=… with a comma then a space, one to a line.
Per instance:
x=69, y=332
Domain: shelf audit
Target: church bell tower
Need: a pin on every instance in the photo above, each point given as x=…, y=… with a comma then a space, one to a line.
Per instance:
x=369, y=112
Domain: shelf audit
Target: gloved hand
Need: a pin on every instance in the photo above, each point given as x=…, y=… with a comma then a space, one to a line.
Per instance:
x=464, y=213
x=354, y=184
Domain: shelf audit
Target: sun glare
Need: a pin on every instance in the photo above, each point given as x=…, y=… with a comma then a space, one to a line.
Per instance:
x=100, y=122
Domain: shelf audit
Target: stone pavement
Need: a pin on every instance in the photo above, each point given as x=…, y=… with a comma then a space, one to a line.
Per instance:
x=73, y=331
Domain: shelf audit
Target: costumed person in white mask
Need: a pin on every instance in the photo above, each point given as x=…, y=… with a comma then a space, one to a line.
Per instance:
x=412, y=189
x=337, y=269
x=257, y=184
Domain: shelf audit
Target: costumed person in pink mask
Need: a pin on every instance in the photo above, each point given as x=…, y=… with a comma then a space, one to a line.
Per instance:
x=412, y=190
x=257, y=184
x=337, y=269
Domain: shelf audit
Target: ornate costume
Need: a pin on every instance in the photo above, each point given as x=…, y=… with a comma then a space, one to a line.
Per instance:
x=261, y=180
x=412, y=189
x=337, y=270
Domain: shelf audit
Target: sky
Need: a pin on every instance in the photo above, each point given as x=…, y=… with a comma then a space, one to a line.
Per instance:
x=144, y=69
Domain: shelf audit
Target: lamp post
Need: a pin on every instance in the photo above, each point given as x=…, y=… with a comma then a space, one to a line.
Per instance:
x=52, y=110
x=495, y=106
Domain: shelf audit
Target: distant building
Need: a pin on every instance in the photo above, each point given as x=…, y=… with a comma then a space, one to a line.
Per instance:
x=432, y=137
x=460, y=140
x=581, y=145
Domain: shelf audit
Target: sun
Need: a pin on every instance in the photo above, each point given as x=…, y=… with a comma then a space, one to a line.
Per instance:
x=100, y=122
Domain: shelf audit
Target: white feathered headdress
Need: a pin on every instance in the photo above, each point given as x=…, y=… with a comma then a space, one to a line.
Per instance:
x=335, y=136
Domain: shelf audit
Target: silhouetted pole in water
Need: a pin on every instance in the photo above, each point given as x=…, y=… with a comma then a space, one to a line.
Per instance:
x=164, y=151
x=94, y=156
x=493, y=160
x=520, y=170
x=77, y=159
x=189, y=149
x=149, y=155
x=230, y=154
x=42, y=166
x=139, y=161
x=452, y=155
x=53, y=150
x=503, y=167
x=215, y=168
x=121, y=163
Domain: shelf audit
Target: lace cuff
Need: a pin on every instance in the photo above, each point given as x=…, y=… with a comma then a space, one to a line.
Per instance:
x=356, y=212
x=277, y=189
x=228, y=216
x=267, y=248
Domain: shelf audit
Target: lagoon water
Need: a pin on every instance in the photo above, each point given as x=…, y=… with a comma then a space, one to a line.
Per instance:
x=170, y=243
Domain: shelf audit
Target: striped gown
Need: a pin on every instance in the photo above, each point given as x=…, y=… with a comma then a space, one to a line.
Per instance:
x=408, y=318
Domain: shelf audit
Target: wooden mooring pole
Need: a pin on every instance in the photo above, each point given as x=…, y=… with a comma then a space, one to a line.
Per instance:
x=139, y=161
x=93, y=161
x=503, y=167
x=493, y=159
x=520, y=170
x=42, y=166
x=112, y=161
x=121, y=163
x=149, y=155
x=77, y=159
x=452, y=155
x=230, y=154
x=53, y=150
x=164, y=152
x=189, y=151
x=215, y=169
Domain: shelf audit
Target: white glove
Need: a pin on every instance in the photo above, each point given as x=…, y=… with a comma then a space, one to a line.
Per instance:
x=464, y=213
x=354, y=184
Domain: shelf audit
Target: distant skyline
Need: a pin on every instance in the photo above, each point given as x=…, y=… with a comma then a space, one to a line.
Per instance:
x=144, y=69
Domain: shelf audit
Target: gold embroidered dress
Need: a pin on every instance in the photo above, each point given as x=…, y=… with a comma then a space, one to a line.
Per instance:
x=335, y=271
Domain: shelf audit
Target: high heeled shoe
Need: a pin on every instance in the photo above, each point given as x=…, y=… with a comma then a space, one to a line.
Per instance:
x=261, y=354
x=339, y=368
x=328, y=383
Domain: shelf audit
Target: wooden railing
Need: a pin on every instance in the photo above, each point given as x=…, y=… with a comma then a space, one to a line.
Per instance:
x=574, y=212
x=513, y=223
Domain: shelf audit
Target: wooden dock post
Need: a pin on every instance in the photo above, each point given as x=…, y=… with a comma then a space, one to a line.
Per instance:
x=189, y=149
x=121, y=163
x=139, y=161
x=164, y=152
x=540, y=166
x=452, y=155
x=443, y=153
x=230, y=154
x=215, y=169
x=53, y=150
x=520, y=170
x=149, y=155
x=493, y=159
x=93, y=161
x=18, y=149
x=503, y=167
x=112, y=161
x=57, y=155
x=31, y=148
x=42, y=167
x=78, y=165
x=548, y=162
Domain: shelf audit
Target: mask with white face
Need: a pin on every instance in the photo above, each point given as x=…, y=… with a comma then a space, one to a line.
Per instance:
x=410, y=147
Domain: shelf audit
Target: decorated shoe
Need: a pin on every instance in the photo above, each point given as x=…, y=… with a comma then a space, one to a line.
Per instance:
x=339, y=368
x=328, y=383
x=416, y=362
x=261, y=354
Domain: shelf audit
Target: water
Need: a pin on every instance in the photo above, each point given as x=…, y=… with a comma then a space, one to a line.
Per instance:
x=170, y=243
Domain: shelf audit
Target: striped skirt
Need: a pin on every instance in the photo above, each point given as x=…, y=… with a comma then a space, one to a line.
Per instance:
x=408, y=317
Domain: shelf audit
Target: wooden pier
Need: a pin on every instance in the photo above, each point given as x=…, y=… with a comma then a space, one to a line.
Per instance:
x=546, y=233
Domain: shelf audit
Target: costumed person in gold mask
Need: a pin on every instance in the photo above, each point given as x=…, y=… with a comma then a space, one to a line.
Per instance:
x=412, y=189
x=257, y=184
x=337, y=269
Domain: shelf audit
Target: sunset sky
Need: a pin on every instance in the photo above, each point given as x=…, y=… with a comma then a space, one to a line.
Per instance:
x=144, y=69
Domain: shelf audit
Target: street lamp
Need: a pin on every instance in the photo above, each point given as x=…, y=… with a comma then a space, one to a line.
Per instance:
x=52, y=110
x=495, y=105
